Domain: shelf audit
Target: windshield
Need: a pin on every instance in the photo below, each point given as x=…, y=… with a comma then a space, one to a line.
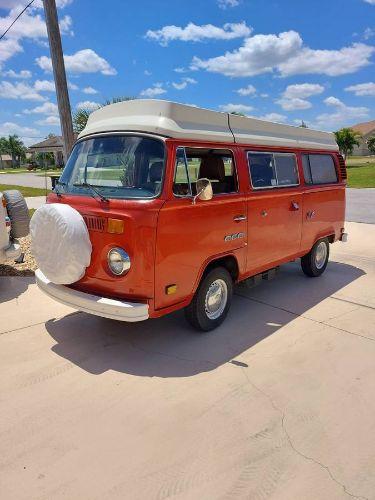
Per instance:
x=119, y=166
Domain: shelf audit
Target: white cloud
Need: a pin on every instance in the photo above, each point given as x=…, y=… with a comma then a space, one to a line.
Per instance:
x=30, y=26
x=362, y=89
x=72, y=86
x=22, y=75
x=19, y=90
x=273, y=117
x=184, y=83
x=236, y=108
x=154, y=91
x=294, y=96
x=249, y=90
x=181, y=70
x=328, y=62
x=44, y=86
x=293, y=104
x=50, y=121
x=89, y=105
x=371, y=2
x=368, y=33
x=285, y=54
x=226, y=4
x=302, y=90
x=10, y=128
x=342, y=115
x=195, y=33
x=66, y=24
x=147, y=72
x=9, y=48
x=90, y=90
x=83, y=61
x=259, y=54
x=48, y=108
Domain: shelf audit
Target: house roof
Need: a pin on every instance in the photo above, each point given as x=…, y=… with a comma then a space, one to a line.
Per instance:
x=365, y=128
x=51, y=144
x=179, y=121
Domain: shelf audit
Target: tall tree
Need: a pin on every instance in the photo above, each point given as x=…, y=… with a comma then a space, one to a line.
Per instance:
x=371, y=145
x=16, y=149
x=346, y=139
x=81, y=116
x=3, y=150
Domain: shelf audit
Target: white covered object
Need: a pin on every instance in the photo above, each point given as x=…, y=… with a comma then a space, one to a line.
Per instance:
x=60, y=243
x=180, y=121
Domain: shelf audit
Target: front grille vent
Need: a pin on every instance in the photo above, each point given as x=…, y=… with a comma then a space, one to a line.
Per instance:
x=342, y=167
x=94, y=223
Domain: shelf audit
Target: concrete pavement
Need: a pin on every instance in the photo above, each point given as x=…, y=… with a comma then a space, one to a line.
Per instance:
x=27, y=180
x=35, y=201
x=277, y=403
x=360, y=205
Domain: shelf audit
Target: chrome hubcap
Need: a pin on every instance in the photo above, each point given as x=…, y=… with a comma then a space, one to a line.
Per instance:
x=320, y=255
x=216, y=299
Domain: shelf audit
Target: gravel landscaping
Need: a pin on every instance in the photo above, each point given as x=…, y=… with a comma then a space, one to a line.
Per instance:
x=28, y=266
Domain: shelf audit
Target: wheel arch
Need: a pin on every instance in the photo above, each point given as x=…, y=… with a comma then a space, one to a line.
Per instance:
x=228, y=261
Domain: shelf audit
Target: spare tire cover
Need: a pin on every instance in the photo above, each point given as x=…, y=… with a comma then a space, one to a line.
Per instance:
x=60, y=243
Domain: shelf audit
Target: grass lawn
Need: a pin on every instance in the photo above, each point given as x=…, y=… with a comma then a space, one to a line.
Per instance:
x=26, y=191
x=361, y=171
x=14, y=171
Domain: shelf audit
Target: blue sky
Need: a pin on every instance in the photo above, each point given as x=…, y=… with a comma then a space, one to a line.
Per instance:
x=283, y=60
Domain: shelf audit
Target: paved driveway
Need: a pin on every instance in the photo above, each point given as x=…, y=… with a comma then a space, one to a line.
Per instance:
x=27, y=180
x=360, y=205
x=277, y=403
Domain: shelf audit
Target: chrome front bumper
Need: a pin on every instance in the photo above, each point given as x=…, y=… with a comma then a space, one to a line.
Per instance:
x=92, y=304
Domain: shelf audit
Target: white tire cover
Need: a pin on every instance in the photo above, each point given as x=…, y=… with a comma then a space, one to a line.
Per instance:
x=60, y=243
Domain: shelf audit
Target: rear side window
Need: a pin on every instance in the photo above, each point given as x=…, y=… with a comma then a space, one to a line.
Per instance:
x=268, y=170
x=319, y=169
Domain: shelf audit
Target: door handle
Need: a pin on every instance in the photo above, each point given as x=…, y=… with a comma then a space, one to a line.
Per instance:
x=295, y=205
x=239, y=218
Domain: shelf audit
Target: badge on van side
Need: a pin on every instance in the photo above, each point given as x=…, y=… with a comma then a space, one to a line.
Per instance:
x=236, y=236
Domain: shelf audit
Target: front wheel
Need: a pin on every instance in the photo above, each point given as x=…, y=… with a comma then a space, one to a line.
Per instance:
x=212, y=300
x=314, y=263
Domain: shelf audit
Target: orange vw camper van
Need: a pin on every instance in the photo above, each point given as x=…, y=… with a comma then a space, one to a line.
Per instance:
x=163, y=206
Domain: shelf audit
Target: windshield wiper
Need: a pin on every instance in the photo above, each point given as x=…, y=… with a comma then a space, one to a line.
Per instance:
x=93, y=189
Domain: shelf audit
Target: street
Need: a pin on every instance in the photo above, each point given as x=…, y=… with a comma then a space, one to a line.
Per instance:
x=277, y=403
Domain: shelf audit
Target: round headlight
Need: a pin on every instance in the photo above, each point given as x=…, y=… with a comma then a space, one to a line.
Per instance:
x=118, y=261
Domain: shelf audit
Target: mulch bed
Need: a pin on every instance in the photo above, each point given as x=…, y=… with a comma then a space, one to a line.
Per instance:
x=28, y=266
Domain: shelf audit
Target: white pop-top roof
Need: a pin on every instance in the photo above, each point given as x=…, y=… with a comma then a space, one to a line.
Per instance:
x=180, y=121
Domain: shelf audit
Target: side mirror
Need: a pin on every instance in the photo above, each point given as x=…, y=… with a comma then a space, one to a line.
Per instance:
x=204, y=190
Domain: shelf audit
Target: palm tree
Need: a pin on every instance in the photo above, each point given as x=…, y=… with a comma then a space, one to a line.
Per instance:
x=16, y=148
x=371, y=145
x=3, y=150
x=346, y=139
x=81, y=116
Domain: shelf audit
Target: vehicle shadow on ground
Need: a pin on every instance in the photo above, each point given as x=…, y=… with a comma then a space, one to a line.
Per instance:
x=169, y=347
x=12, y=287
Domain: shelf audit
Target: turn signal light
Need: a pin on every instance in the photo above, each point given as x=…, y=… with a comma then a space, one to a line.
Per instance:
x=115, y=226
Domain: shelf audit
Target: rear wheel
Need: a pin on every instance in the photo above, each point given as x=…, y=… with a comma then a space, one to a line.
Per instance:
x=212, y=300
x=314, y=263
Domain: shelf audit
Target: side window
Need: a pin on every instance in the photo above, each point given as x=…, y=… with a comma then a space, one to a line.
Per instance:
x=286, y=169
x=197, y=163
x=269, y=170
x=306, y=169
x=181, y=184
x=262, y=170
x=319, y=169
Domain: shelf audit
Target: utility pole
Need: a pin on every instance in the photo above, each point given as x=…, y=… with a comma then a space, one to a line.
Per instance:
x=58, y=66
